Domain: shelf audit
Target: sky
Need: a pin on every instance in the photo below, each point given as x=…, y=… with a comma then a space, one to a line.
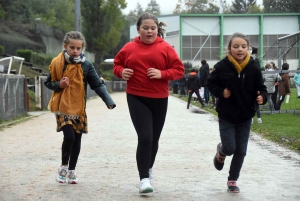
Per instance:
x=166, y=6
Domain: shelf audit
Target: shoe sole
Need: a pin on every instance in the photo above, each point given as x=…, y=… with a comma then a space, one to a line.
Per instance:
x=147, y=190
x=233, y=191
x=215, y=158
x=61, y=181
x=72, y=182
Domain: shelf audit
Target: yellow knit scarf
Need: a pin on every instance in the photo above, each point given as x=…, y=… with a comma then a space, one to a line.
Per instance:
x=241, y=66
x=70, y=101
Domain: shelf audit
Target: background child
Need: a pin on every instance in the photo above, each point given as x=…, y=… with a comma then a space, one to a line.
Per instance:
x=283, y=87
x=269, y=81
x=237, y=83
x=297, y=82
x=69, y=74
x=193, y=86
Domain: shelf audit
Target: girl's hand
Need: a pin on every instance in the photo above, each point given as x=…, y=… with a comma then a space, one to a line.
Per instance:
x=64, y=82
x=153, y=73
x=226, y=93
x=127, y=73
x=259, y=98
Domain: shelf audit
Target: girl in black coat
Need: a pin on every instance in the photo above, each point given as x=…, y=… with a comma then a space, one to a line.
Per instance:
x=237, y=83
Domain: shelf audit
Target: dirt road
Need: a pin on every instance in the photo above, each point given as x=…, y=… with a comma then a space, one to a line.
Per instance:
x=30, y=156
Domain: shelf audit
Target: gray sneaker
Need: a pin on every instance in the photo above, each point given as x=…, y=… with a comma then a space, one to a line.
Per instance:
x=72, y=178
x=61, y=174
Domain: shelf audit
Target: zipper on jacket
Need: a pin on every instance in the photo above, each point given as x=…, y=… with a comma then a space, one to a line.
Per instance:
x=243, y=80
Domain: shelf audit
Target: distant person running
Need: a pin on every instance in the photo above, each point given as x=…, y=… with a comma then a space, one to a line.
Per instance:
x=193, y=85
x=237, y=83
x=69, y=75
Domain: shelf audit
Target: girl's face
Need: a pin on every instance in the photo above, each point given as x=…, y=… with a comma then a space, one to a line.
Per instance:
x=148, y=31
x=74, y=47
x=238, y=49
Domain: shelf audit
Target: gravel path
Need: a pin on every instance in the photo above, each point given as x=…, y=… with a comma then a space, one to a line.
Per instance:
x=30, y=156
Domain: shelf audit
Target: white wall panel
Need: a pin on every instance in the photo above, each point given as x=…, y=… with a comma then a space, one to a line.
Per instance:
x=245, y=25
x=280, y=25
x=174, y=41
x=133, y=32
x=199, y=26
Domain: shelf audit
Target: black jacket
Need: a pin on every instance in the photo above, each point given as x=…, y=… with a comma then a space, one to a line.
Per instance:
x=193, y=82
x=239, y=106
x=204, y=73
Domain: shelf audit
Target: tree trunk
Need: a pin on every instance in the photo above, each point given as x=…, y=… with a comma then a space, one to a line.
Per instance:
x=98, y=60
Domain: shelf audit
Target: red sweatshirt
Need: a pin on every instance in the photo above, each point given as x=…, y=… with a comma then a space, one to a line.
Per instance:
x=139, y=57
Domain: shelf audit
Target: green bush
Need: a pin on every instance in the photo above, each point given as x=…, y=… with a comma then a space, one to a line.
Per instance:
x=41, y=59
x=26, y=54
x=106, y=66
x=107, y=75
x=31, y=95
x=1, y=49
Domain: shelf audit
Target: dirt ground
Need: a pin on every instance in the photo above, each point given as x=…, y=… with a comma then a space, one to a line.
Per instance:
x=30, y=155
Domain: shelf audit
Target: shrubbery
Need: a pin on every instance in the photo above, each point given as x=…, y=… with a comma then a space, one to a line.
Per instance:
x=41, y=59
x=1, y=49
x=35, y=58
x=26, y=54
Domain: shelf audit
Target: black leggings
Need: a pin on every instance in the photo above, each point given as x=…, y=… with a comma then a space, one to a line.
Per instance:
x=148, y=118
x=279, y=102
x=70, y=147
x=198, y=96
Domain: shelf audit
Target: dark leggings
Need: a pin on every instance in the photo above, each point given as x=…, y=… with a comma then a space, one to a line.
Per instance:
x=274, y=95
x=198, y=96
x=148, y=118
x=257, y=110
x=234, y=138
x=279, y=102
x=70, y=147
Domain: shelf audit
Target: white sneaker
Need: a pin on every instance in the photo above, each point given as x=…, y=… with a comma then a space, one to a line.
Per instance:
x=145, y=186
x=72, y=179
x=259, y=121
x=151, y=175
x=62, y=173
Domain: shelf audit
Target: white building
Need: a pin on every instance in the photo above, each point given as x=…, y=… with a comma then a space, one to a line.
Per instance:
x=205, y=36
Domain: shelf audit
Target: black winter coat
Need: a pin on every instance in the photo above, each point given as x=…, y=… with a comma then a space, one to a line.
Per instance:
x=239, y=106
x=193, y=82
x=204, y=73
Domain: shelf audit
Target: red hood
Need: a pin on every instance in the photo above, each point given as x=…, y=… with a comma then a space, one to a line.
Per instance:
x=157, y=40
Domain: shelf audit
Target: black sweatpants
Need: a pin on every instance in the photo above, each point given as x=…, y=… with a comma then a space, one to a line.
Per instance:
x=70, y=147
x=148, y=117
x=198, y=96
